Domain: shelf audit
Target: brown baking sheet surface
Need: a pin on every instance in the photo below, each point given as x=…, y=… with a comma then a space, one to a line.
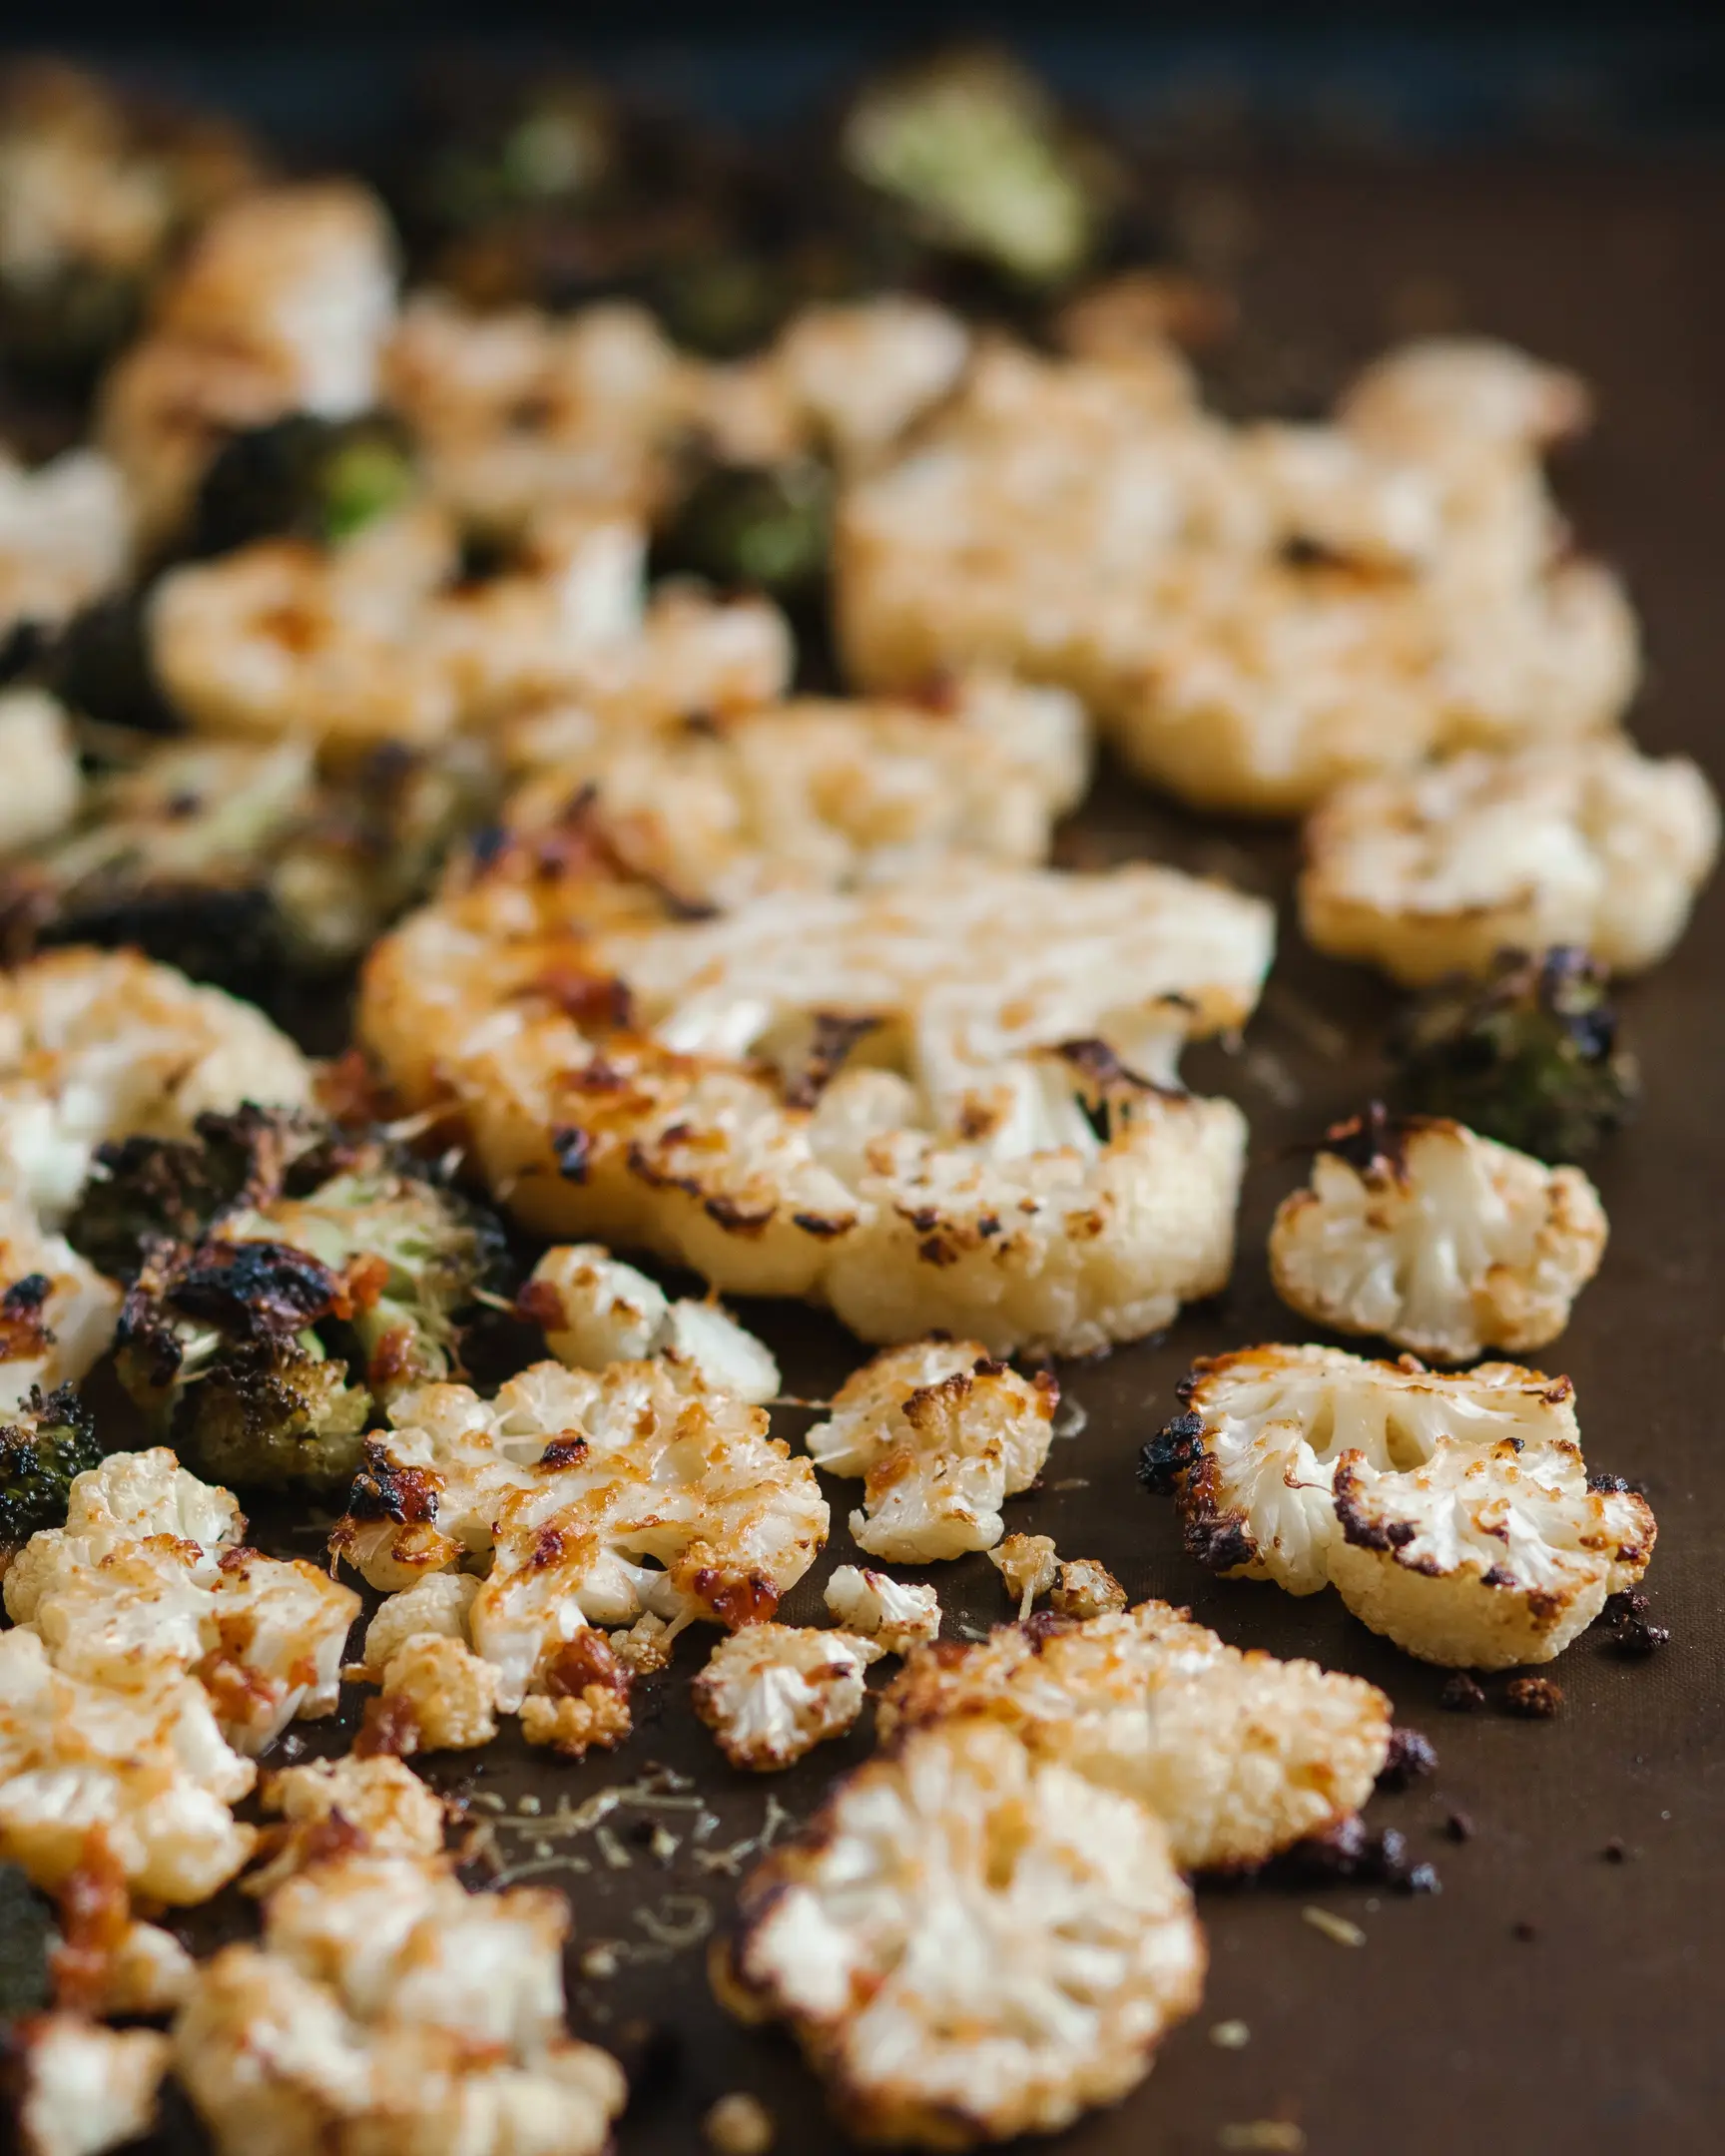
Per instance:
x=1446, y=2031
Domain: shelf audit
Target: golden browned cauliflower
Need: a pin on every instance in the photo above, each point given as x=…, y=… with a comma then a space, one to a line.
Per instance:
x=1437, y=872
x=942, y=1435
x=390, y=2011
x=596, y=1309
x=1027, y=1567
x=328, y=1802
x=589, y=1499
x=1026, y=1175
x=56, y=1313
x=772, y=1692
x=895, y=1615
x=1453, y=1513
x=969, y=1943
x=1432, y=1236
x=1239, y=1754
x=101, y=1044
x=1253, y=613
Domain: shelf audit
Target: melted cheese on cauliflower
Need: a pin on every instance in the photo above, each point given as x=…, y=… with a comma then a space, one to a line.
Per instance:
x=1239, y=1754
x=1442, y=1240
x=1435, y=874
x=101, y=1044
x=772, y=1692
x=1254, y=614
x=1028, y=1182
x=970, y=1943
x=593, y=1497
x=942, y=1435
x=1310, y=1467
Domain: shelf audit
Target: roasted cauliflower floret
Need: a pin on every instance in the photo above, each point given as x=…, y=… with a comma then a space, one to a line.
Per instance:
x=341, y=1272
x=1255, y=613
x=1436, y=1239
x=895, y=1615
x=390, y=2010
x=942, y=1435
x=812, y=794
x=65, y=540
x=117, y=1502
x=595, y=1497
x=1437, y=873
x=772, y=1692
x=438, y=1695
x=1027, y=1567
x=1238, y=1755
x=145, y=1767
x=1026, y=1185
x=332, y=1806
x=41, y=761
x=970, y=1943
x=1085, y=1587
x=1278, y=1444
x=57, y=1313
x=596, y=1309
x=282, y=305
x=265, y=1635
x=96, y=1045
x=859, y=375
x=1451, y=395
x=585, y=1701
x=81, y=2088
x=441, y=1603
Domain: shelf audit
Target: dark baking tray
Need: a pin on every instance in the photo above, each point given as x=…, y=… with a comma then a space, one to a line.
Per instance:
x=1549, y=1999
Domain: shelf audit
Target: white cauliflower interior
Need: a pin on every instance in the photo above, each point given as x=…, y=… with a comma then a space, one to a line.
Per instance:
x=264, y=1634
x=56, y=1313
x=390, y=2010
x=1238, y=1755
x=1437, y=872
x=597, y=1310
x=942, y=1435
x=587, y=1499
x=772, y=1692
x=100, y=1044
x=65, y=539
x=1311, y=1467
x=81, y=2088
x=1432, y=1236
x=1254, y=613
x=895, y=1614
x=969, y=1943
x=970, y=1127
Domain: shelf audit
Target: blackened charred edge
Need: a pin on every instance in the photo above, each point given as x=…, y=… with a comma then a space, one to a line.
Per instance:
x=382, y=1491
x=255, y=1290
x=818, y=1224
x=1373, y=1144
x=835, y=1034
x=736, y=1217
x=1168, y=1455
x=26, y=1296
x=1411, y=1756
x=572, y=1148
x=1358, y=1525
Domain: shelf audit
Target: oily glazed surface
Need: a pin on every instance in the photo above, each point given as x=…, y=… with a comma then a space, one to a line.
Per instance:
x=1598, y=2032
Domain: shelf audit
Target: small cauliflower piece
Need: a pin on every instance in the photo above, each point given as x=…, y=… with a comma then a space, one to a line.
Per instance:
x=372, y=1803
x=1238, y=1755
x=148, y=1972
x=583, y=1698
x=772, y=1692
x=1483, y=1559
x=439, y=1692
x=45, y=781
x=597, y=1310
x=970, y=1943
x=1026, y=1175
x=645, y=1648
x=97, y=1045
x=126, y=1500
x=147, y=1767
x=84, y=2089
x=595, y=1496
x=390, y=2011
x=65, y=540
x=942, y=1435
x=859, y=373
x=1591, y=844
x=1084, y=1587
x=1308, y=1466
x=1028, y=1566
x=1432, y=1236
x=1449, y=395
x=895, y=1615
x=56, y=1313
x=441, y=1603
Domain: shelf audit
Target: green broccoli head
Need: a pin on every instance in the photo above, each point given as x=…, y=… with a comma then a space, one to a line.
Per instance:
x=1530, y=1057
x=343, y=1275
x=765, y=527
x=317, y=479
x=40, y=1454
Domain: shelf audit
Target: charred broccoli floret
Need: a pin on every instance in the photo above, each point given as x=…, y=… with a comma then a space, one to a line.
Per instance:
x=145, y=1189
x=40, y=1454
x=970, y=154
x=342, y=1273
x=755, y=527
x=1530, y=1058
x=317, y=479
x=26, y=1944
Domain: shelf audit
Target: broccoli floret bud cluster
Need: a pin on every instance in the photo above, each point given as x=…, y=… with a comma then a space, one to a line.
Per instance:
x=55, y=1440
x=338, y=1273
